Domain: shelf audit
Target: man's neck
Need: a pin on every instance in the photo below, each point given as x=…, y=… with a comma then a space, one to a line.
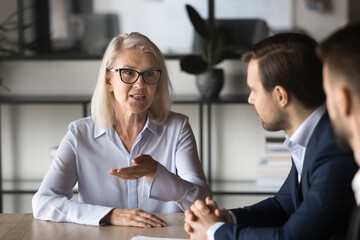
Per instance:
x=297, y=115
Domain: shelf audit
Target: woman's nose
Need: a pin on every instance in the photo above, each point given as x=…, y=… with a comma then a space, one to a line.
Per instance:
x=140, y=82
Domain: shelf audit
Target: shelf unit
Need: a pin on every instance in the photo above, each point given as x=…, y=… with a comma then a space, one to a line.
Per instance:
x=207, y=103
x=204, y=104
x=80, y=100
x=42, y=22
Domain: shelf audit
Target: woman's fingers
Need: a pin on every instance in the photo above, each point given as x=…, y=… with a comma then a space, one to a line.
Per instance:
x=152, y=219
x=145, y=165
x=136, y=218
x=130, y=173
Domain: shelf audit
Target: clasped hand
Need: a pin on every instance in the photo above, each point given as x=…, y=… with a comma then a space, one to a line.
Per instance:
x=144, y=166
x=202, y=216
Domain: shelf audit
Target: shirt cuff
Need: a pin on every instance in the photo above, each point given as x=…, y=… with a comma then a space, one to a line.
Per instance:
x=87, y=214
x=211, y=231
x=233, y=217
x=166, y=186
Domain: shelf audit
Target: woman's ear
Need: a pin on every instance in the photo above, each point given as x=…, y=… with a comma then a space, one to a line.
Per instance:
x=281, y=95
x=109, y=86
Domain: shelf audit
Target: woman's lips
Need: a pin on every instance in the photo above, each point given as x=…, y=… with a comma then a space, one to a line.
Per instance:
x=137, y=96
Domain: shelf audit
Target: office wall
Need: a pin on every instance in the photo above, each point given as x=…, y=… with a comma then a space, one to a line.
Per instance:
x=30, y=132
x=320, y=23
x=49, y=124
x=46, y=124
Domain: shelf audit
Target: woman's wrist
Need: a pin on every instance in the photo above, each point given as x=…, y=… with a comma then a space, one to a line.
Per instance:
x=107, y=218
x=151, y=175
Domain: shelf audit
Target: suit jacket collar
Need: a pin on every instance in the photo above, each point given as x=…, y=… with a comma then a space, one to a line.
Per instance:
x=313, y=142
x=298, y=191
x=293, y=181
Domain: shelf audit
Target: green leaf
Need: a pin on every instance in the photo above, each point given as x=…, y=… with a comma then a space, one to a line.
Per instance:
x=220, y=37
x=220, y=45
x=219, y=55
x=199, y=24
x=193, y=64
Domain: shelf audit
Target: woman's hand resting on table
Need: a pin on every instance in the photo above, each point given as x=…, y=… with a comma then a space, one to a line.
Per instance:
x=133, y=217
x=144, y=165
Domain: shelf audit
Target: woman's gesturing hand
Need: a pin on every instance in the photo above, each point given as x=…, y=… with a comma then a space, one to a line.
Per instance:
x=133, y=217
x=144, y=165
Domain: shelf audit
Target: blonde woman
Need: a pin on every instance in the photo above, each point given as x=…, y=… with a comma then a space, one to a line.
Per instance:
x=133, y=156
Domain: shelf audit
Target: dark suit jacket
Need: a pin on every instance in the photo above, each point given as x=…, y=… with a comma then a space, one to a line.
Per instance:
x=354, y=225
x=317, y=208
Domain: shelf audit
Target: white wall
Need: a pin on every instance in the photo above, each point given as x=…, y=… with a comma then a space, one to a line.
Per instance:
x=320, y=24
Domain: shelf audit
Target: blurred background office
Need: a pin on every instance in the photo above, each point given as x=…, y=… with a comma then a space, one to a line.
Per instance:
x=55, y=47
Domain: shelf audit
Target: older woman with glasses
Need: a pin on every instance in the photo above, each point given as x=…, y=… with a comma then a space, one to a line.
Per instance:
x=133, y=156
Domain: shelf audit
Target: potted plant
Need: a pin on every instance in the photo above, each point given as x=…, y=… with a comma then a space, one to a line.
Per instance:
x=214, y=50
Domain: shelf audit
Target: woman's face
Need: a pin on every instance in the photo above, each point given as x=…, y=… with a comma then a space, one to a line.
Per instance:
x=135, y=98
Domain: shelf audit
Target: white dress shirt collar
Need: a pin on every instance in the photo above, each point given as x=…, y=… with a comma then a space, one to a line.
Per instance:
x=302, y=135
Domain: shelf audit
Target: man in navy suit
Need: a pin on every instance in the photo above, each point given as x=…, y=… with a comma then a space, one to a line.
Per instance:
x=341, y=70
x=315, y=201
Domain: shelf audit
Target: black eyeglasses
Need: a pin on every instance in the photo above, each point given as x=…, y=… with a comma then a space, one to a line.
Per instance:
x=130, y=76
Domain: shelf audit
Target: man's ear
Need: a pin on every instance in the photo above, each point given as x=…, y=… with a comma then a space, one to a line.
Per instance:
x=281, y=95
x=345, y=100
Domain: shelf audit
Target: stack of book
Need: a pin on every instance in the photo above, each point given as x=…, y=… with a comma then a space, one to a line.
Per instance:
x=275, y=167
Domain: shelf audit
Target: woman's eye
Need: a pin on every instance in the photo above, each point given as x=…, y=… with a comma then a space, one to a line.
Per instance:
x=149, y=74
x=128, y=73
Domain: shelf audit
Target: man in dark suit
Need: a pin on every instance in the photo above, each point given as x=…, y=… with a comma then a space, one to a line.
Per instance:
x=315, y=201
x=341, y=71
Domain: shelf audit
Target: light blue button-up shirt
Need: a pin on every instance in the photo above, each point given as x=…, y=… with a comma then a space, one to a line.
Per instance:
x=88, y=152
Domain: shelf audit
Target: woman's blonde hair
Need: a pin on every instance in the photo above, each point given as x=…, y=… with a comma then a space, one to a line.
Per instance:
x=103, y=101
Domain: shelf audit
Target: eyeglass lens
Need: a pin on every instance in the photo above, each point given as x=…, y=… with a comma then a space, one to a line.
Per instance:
x=130, y=76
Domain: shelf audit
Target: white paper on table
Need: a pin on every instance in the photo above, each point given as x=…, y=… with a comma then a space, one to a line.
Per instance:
x=154, y=238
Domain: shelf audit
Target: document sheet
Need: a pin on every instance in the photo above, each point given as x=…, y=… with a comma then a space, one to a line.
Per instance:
x=154, y=238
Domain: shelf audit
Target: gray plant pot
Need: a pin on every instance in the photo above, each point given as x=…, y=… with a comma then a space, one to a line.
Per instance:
x=210, y=83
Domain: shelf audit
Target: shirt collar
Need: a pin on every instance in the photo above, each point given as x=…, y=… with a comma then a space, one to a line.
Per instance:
x=99, y=131
x=302, y=135
x=150, y=124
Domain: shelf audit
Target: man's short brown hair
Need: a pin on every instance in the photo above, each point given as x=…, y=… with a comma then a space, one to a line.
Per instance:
x=289, y=60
